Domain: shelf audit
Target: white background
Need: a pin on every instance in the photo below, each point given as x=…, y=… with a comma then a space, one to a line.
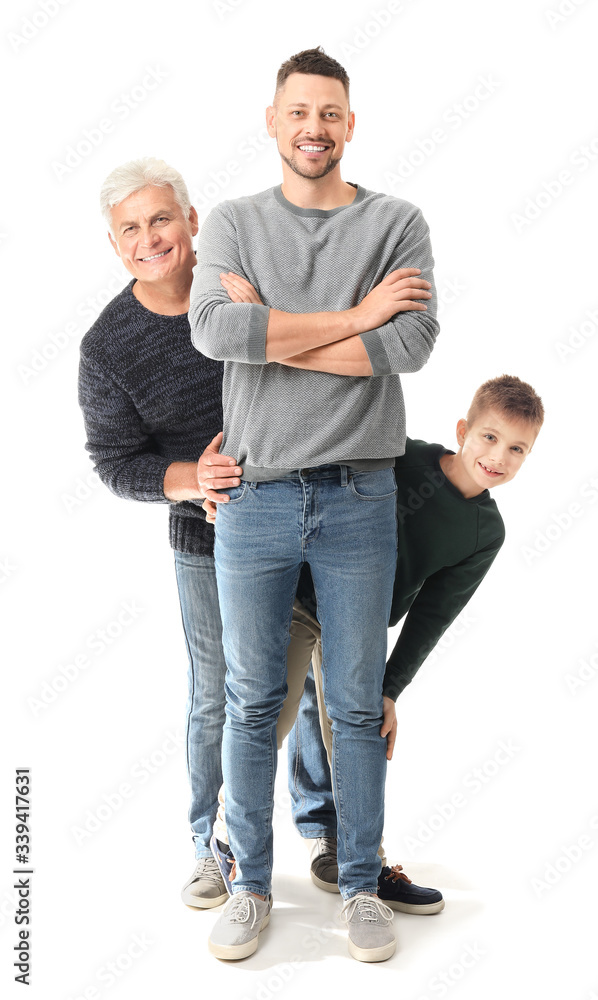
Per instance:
x=515, y=251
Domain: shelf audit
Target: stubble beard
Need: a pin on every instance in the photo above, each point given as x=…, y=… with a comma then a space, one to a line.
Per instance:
x=296, y=168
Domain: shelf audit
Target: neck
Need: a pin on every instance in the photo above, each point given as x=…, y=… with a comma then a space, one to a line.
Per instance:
x=169, y=299
x=322, y=192
x=456, y=475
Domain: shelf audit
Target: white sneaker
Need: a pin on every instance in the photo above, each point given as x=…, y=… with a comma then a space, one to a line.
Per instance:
x=205, y=888
x=371, y=938
x=235, y=934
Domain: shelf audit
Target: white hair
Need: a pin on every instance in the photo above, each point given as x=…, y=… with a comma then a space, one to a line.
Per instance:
x=136, y=175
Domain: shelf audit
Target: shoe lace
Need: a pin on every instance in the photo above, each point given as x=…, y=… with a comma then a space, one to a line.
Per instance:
x=369, y=908
x=207, y=869
x=327, y=848
x=396, y=872
x=240, y=909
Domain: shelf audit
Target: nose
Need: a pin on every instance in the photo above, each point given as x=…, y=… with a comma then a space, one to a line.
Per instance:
x=149, y=236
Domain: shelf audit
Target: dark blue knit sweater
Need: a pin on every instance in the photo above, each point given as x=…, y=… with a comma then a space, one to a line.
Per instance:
x=149, y=398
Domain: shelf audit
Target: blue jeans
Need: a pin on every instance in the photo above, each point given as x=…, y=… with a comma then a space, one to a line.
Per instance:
x=343, y=524
x=310, y=783
x=198, y=595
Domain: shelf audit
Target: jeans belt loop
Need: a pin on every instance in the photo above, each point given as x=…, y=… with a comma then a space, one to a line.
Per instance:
x=344, y=475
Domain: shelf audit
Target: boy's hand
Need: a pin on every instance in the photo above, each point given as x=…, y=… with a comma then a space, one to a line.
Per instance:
x=210, y=509
x=389, y=726
x=217, y=472
x=239, y=289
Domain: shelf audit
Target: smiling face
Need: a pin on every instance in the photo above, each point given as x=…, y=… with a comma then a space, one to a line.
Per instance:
x=492, y=449
x=311, y=122
x=152, y=236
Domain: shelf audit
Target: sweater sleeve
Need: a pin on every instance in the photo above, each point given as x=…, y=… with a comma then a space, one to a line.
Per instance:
x=122, y=451
x=405, y=343
x=441, y=598
x=221, y=329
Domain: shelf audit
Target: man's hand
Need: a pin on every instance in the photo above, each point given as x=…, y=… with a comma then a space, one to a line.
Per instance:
x=397, y=292
x=389, y=726
x=239, y=289
x=217, y=472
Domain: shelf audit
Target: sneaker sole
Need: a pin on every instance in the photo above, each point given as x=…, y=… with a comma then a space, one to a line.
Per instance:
x=425, y=909
x=203, y=902
x=372, y=954
x=326, y=886
x=235, y=951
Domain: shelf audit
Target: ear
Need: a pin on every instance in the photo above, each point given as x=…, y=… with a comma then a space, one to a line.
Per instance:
x=350, y=126
x=193, y=221
x=114, y=244
x=270, y=125
x=462, y=429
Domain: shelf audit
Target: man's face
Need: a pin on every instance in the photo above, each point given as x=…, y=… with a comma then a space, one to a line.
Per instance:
x=311, y=122
x=493, y=448
x=152, y=236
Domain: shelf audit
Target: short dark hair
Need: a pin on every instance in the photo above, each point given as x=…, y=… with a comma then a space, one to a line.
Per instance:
x=514, y=399
x=313, y=61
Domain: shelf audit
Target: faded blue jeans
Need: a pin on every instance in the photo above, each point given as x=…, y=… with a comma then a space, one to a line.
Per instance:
x=343, y=524
x=198, y=595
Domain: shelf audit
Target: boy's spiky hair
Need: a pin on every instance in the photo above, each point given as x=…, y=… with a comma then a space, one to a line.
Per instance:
x=312, y=61
x=515, y=399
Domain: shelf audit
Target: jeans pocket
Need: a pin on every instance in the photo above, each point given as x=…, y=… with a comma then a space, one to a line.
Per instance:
x=236, y=493
x=379, y=484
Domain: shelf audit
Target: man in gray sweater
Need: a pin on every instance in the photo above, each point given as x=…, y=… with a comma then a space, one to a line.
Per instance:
x=313, y=412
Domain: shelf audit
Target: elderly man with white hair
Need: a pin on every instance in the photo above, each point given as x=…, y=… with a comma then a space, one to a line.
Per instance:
x=152, y=405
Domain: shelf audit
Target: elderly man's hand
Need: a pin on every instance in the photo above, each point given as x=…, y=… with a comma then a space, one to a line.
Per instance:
x=217, y=472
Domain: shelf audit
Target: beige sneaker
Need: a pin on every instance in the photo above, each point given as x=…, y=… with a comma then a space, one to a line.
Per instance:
x=205, y=888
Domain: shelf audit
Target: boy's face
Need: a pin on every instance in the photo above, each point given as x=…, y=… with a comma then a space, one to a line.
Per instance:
x=493, y=449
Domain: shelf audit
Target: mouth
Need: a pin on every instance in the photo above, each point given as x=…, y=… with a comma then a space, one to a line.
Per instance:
x=490, y=472
x=156, y=256
x=313, y=149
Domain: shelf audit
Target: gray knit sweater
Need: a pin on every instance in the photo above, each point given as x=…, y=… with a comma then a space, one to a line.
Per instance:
x=278, y=418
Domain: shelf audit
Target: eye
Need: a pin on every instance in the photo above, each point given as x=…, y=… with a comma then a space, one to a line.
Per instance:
x=331, y=114
x=129, y=230
x=518, y=449
x=162, y=220
x=490, y=437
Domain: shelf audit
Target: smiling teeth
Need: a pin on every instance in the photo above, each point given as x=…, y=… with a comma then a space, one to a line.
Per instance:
x=493, y=471
x=313, y=149
x=156, y=255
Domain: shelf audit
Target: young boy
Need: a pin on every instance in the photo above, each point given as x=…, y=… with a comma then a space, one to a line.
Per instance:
x=449, y=532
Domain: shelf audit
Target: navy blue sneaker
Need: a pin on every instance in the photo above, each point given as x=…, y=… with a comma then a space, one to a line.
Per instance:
x=225, y=861
x=401, y=893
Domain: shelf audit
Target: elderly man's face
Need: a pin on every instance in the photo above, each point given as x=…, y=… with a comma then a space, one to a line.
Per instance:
x=152, y=236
